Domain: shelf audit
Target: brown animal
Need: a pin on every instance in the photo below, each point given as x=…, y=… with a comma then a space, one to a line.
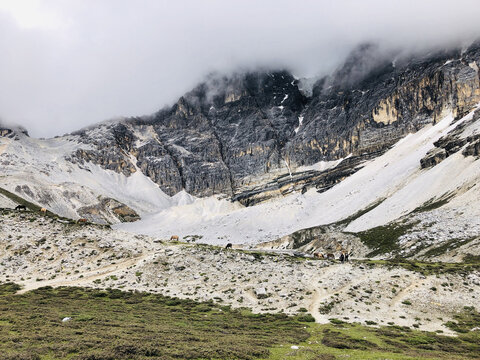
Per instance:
x=318, y=255
x=330, y=256
x=82, y=221
x=174, y=238
x=43, y=210
x=228, y=246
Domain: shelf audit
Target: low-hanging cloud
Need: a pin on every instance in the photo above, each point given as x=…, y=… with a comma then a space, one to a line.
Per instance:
x=68, y=64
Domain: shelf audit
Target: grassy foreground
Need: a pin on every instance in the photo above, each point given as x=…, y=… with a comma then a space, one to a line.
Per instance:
x=125, y=325
x=111, y=324
x=354, y=341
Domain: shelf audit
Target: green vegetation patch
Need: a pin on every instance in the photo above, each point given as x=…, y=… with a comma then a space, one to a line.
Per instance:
x=434, y=204
x=9, y=288
x=465, y=321
x=340, y=340
x=383, y=239
x=112, y=324
x=446, y=247
x=428, y=268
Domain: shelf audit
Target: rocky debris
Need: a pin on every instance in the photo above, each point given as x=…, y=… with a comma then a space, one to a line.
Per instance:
x=327, y=239
x=6, y=132
x=44, y=248
x=36, y=252
x=261, y=293
x=433, y=232
x=441, y=235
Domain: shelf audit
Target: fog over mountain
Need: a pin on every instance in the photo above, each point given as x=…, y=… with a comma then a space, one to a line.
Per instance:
x=65, y=65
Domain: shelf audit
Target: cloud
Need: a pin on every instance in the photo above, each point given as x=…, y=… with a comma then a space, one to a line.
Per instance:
x=72, y=63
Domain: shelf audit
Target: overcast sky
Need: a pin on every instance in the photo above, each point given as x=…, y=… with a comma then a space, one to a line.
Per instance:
x=65, y=64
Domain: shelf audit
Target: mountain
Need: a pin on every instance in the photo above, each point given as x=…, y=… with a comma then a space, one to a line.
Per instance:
x=387, y=144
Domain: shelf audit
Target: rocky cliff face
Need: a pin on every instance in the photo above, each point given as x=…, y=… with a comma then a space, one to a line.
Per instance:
x=245, y=135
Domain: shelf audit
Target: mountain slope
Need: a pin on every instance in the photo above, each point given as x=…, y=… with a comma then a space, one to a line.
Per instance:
x=373, y=143
x=240, y=135
x=396, y=180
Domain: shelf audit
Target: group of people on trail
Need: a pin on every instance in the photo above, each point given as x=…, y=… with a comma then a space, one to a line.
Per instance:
x=344, y=256
x=331, y=256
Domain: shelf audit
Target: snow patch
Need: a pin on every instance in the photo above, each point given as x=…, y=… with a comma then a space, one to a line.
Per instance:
x=300, y=122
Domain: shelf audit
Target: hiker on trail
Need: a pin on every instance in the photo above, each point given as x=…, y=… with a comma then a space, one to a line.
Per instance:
x=342, y=257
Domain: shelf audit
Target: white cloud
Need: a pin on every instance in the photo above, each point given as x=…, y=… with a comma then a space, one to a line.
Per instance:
x=66, y=64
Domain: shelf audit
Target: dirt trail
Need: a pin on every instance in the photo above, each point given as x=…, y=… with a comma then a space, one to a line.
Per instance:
x=87, y=277
x=405, y=291
x=321, y=294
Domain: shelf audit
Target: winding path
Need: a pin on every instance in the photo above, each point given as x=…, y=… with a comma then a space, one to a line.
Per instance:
x=87, y=276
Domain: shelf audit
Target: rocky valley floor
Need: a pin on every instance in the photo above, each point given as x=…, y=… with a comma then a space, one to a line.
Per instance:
x=39, y=251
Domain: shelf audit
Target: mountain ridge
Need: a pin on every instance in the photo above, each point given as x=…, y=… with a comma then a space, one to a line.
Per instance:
x=254, y=146
x=229, y=133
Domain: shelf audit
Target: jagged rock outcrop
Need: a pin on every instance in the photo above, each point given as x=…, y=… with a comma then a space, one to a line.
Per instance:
x=322, y=239
x=106, y=209
x=12, y=132
x=453, y=142
x=5, y=132
x=302, y=180
x=244, y=134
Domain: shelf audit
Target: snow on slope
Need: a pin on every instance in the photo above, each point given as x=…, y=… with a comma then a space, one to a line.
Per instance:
x=5, y=202
x=395, y=176
x=39, y=167
x=46, y=178
x=454, y=173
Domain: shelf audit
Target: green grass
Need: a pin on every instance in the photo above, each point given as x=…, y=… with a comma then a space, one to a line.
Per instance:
x=355, y=342
x=465, y=320
x=468, y=266
x=112, y=324
x=383, y=239
x=434, y=204
x=446, y=247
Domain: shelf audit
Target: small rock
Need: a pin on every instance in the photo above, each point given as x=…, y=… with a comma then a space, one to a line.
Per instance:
x=261, y=292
